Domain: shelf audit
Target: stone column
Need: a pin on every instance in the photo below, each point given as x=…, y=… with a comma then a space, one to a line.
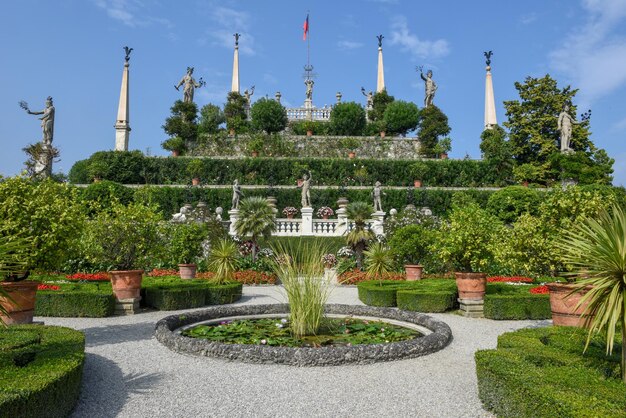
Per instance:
x=234, y=217
x=380, y=81
x=377, y=226
x=122, y=125
x=490, y=102
x=235, y=83
x=307, y=221
x=342, y=221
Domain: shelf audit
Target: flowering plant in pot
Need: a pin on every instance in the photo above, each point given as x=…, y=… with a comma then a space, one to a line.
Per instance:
x=186, y=247
x=123, y=238
x=290, y=211
x=409, y=245
x=17, y=295
x=329, y=260
x=325, y=212
x=466, y=244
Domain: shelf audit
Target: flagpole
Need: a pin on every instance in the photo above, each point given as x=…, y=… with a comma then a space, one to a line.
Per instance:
x=308, y=39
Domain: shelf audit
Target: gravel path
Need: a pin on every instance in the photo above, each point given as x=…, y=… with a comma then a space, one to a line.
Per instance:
x=129, y=374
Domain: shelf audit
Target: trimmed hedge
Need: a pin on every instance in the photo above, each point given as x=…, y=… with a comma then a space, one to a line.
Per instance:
x=41, y=369
x=380, y=293
x=74, y=304
x=421, y=301
x=171, y=293
x=504, y=301
x=413, y=295
x=544, y=373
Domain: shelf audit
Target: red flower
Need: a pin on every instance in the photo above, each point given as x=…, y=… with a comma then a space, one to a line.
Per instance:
x=163, y=272
x=355, y=276
x=513, y=279
x=540, y=290
x=48, y=287
x=92, y=277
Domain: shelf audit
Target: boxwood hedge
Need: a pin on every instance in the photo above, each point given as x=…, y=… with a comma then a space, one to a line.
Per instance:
x=504, y=301
x=91, y=300
x=40, y=370
x=543, y=372
x=426, y=301
x=411, y=295
x=171, y=293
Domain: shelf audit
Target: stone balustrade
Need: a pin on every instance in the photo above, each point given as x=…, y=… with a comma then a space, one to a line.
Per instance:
x=309, y=113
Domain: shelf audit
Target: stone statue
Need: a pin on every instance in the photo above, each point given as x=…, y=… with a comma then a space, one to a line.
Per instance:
x=380, y=40
x=47, y=120
x=248, y=94
x=429, y=86
x=237, y=194
x=236, y=35
x=127, y=50
x=277, y=96
x=488, y=55
x=181, y=216
x=189, y=85
x=42, y=154
x=377, y=193
x=309, y=88
x=565, y=124
x=370, y=97
x=306, y=191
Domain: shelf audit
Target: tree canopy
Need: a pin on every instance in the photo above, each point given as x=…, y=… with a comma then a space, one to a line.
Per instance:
x=268, y=115
x=401, y=117
x=347, y=118
x=432, y=125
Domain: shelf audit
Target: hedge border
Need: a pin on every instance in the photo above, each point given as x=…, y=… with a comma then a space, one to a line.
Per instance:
x=517, y=307
x=423, y=301
x=75, y=304
x=195, y=294
x=49, y=386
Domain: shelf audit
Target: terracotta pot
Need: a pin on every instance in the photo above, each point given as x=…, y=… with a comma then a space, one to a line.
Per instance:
x=525, y=183
x=231, y=132
x=444, y=156
x=126, y=283
x=255, y=154
x=290, y=216
x=417, y=183
x=309, y=133
x=413, y=272
x=563, y=308
x=22, y=305
x=471, y=285
x=324, y=216
x=382, y=134
x=187, y=271
x=195, y=181
x=351, y=154
x=175, y=153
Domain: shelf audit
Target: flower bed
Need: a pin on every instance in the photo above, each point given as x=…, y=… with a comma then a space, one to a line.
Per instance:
x=358, y=276
x=248, y=277
x=543, y=372
x=506, y=301
x=41, y=369
x=507, y=279
x=91, y=277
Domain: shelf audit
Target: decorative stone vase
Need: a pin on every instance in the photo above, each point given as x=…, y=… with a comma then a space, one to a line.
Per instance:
x=309, y=133
x=417, y=183
x=413, y=271
x=471, y=286
x=187, y=271
x=126, y=283
x=21, y=306
x=351, y=154
x=563, y=308
x=195, y=181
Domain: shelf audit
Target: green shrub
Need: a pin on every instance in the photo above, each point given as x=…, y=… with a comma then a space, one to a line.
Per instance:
x=379, y=293
x=268, y=115
x=543, y=373
x=185, y=240
x=211, y=117
x=522, y=305
x=99, y=195
x=347, y=118
x=426, y=301
x=46, y=384
x=410, y=244
x=75, y=304
x=172, y=293
x=400, y=117
x=509, y=203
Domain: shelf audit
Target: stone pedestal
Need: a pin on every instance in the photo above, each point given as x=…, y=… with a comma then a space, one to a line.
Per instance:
x=127, y=306
x=234, y=217
x=331, y=275
x=380, y=79
x=342, y=218
x=307, y=221
x=377, y=227
x=490, y=102
x=472, y=308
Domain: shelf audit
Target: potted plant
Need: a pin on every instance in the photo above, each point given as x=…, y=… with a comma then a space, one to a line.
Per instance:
x=186, y=247
x=175, y=144
x=223, y=260
x=378, y=261
x=329, y=261
x=325, y=212
x=97, y=169
x=290, y=211
x=123, y=238
x=351, y=144
x=409, y=245
x=418, y=171
x=255, y=146
x=17, y=295
x=466, y=243
x=309, y=126
x=443, y=147
x=195, y=168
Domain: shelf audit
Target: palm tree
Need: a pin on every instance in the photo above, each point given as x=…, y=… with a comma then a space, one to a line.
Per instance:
x=256, y=219
x=596, y=250
x=223, y=260
x=378, y=261
x=359, y=236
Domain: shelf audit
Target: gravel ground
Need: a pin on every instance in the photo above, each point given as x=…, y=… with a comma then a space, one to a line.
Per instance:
x=130, y=374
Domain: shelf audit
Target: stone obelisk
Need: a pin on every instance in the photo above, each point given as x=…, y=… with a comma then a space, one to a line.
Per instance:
x=380, y=81
x=235, y=83
x=490, y=102
x=122, y=124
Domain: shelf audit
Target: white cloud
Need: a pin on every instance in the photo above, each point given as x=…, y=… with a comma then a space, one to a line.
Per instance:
x=130, y=13
x=349, y=45
x=408, y=41
x=228, y=21
x=593, y=56
x=619, y=126
x=528, y=18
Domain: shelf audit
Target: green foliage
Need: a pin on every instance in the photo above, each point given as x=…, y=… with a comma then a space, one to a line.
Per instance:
x=582, y=167
x=527, y=173
x=347, y=118
x=195, y=168
x=211, y=117
x=511, y=202
x=433, y=124
x=76, y=303
x=268, y=115
x=380, y=293
x=123, y=238
x=300, y=127
x=48, y=384
x=508, y=302
x=410, y=244
x=497, y=153
x=235, y=112
x=427, y=300
x=541, y=372
x=401, y=117
x=380, y=101
x=185, y=242
x=223, y=260
x=124, y=167
x=172, y=293
x=183, y=122
x=46, y=214
x=387, y=292
x=256, y=219
x=98, y=196
x=378, y=261
x=175, y=143
x=466, y=242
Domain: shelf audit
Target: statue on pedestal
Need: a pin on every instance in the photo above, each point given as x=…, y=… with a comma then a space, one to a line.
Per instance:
x=248, y=93
x=377, y=193
x=127, y=50
x=306, y=190
x=370, y=98
x=42, y=154
x=430, y=86
x=565, y=124
x=190, y=85
x=309, y=88
x=237, y=195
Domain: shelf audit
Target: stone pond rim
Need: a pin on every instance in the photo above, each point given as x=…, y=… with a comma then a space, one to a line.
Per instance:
x=441, y=336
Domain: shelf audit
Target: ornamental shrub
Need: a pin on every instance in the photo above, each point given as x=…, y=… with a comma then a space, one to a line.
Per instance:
x=211, y=118
x=98, y=196
x=401, y=117
x=347, y=119
x=509, y=203
x=433, y=124
x=268, y=115
x=410, y=244
x=184, y=242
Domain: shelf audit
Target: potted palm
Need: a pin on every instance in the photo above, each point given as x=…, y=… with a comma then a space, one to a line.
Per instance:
x=123, y=239
x=256, y=219
x=223, y=260
x=195, y=168
x=466, y=243
x=594, y=249
x=17, y=295
x=359, y=235
x=378, y=261
x=186, y=246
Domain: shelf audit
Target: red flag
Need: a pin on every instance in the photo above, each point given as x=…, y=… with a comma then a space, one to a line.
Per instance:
x=305, y=27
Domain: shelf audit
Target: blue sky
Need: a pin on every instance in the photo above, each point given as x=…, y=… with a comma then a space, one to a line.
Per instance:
x=72, y=50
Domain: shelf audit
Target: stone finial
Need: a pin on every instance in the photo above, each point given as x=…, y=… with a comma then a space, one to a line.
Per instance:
x=380, y=40
x=488, y=55
x=236, y=35
x=127, y=50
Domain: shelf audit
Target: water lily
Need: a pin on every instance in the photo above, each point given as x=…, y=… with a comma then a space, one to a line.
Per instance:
x=263, y=342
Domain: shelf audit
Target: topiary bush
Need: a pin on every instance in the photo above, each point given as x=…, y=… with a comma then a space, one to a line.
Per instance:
x=99, y=195
x=515, y=302
x=171, y=293
x=41, y=369
x=380, y=293
x=400, y=117
x=75, y=304
x=347, y=118
x=268, y=115
x=427, y=301
x=509, y=203
x=543, y=372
